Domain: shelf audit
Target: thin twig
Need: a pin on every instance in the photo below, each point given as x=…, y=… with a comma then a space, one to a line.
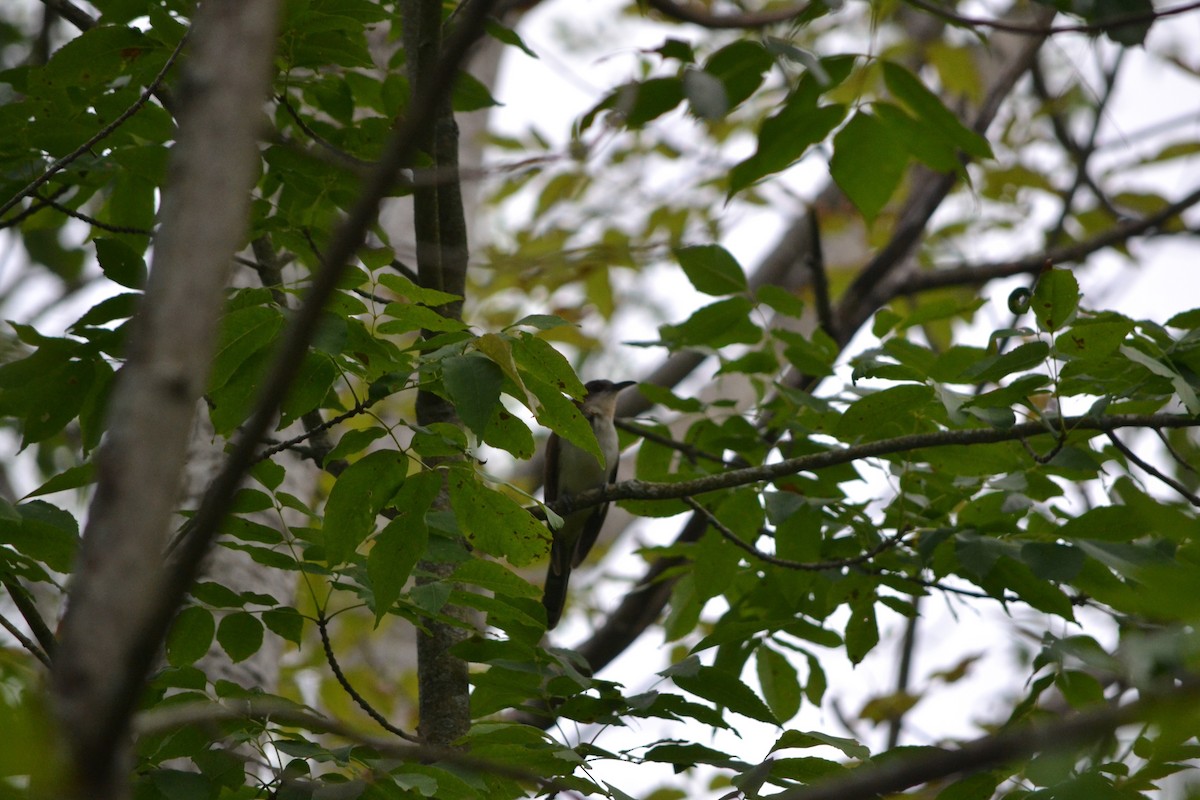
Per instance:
x=322, y=626
x=359, y=407
x=1175, y=454
x=33, y=208
x=33, y=618
x=1116, y=21
x=805, y=566
x=58, y=165
x=25, y=641
x=341, y=155
x=982, y=273
x=1150, y=469
x=1082, y=153
x=692, y=452
x=95, y=223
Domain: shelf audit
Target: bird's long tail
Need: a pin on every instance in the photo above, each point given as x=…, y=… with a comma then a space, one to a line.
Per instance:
x=554, y=595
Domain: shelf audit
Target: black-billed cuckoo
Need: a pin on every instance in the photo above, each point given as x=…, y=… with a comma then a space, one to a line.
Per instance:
x=569, y=471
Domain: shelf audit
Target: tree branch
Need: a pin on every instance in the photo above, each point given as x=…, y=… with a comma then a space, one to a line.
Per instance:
x=344, y=682
x=122, y=598
x=869, y=289
x=982, y=273
x=645, y=490
x=743, y=21
x=33, y=618
x=165, y=719
x=898, y=774
x=1150, y=469
x=1115, y=21
x=71, y=13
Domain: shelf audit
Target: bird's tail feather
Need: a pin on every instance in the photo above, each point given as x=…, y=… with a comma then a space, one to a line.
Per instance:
x=554, y=595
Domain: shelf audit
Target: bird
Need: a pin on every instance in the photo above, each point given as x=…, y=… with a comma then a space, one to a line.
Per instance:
x=571, y=470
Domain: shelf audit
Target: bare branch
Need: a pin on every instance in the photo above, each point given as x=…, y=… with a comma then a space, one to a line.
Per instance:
x=33, y=618
x=24, y=641
x=707, y=19
x=359, y=700
x=1150, y=469
x=645, y=490
x=1020, y=742
x=71, y=13
x=122, y=597
x=1116, y=21
x=982, y=273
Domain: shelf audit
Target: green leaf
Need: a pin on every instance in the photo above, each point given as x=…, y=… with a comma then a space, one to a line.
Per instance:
x=1079, y=689
x=685, y=756
x=741, y=67
x=190, y=637
x=1055, y=298
x=639, y=103
x=543, y=322
x=909, y=89
x=71, y=478
x=726, y=690
x=894, y=411
x=311, y=386
x=494, y=524
x=867, y=163
x=781, y=300
x=562, y=416
x=780, y=685
x=473, y=384
x=786, y=137
x=1040, y=594
x=402, y=542
x=508, y=433
x=1093, y=339
x=43, y=532
x=416, y=294
x=1051, y=561
x=705, y=94
x=1115, y=523
x=361, y=492
x=711, y=269
x=470, y=94
x=862, y=632
x=240, y=635
x=992, y=368
x=1181, y=385
x=409, y=317
x=976, y=787
x=244, y=332
x=806, y=739
x=120, y=263
x=286, y=623
x=722, y=323
x=537, y=358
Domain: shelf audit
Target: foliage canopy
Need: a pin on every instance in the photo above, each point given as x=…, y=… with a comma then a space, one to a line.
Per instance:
x=858, y=432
